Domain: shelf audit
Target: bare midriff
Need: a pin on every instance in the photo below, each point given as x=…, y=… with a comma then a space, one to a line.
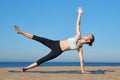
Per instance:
x=64, y=45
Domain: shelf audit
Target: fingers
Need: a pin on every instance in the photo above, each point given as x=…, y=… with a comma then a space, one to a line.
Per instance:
x=80, y=10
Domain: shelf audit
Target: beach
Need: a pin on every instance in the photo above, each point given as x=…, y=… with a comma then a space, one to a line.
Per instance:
x=61, y=73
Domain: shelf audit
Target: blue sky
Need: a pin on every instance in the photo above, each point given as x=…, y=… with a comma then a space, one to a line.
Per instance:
x=56, y=19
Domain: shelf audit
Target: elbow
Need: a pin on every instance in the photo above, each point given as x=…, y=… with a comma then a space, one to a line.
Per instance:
x=82, y=60
x=78, y=24
x=82, y=63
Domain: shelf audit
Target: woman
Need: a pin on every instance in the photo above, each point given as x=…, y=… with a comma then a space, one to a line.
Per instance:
x=57, y=47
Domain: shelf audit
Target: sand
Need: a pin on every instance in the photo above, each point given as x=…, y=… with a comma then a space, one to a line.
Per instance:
x=60, y=73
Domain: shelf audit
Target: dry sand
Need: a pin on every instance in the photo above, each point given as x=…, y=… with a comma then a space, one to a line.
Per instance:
x=60, y=73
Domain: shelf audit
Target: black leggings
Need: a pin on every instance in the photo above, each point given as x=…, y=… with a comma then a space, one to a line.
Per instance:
x=53, y=45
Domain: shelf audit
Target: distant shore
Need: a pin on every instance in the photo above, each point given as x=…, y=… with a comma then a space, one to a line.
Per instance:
x=61, y=73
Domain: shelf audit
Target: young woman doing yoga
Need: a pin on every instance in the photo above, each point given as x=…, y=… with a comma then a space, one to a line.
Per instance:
x=59, y=46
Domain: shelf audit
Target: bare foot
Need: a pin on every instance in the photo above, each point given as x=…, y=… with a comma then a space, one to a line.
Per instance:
x=85, y=72
x=17, y=29
x=24, y=69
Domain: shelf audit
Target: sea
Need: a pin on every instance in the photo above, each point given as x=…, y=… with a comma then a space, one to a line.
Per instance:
x=23, y=64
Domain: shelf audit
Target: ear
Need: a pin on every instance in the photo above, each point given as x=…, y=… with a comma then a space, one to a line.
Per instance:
x=88, y=41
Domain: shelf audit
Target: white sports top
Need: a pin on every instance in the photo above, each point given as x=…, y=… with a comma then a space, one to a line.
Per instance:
x=72, y=43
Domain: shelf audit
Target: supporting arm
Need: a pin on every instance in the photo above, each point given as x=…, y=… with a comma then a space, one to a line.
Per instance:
x=80, y=51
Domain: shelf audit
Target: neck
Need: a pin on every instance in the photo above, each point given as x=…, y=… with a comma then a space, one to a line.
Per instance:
x=83, y=41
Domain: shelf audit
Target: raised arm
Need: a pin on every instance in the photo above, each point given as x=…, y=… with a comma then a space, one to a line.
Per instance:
x=80, y=11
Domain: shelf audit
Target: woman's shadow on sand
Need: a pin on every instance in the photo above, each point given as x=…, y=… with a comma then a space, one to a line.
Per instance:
x=65, y=72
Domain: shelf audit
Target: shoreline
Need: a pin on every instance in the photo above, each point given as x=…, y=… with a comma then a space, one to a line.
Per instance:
x=61, y=73
x=23, y=64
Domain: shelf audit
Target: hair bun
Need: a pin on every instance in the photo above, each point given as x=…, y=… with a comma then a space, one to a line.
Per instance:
x=90, y=44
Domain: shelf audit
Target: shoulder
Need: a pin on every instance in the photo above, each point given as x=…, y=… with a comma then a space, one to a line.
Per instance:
x=80, y=49
x=77, y=37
